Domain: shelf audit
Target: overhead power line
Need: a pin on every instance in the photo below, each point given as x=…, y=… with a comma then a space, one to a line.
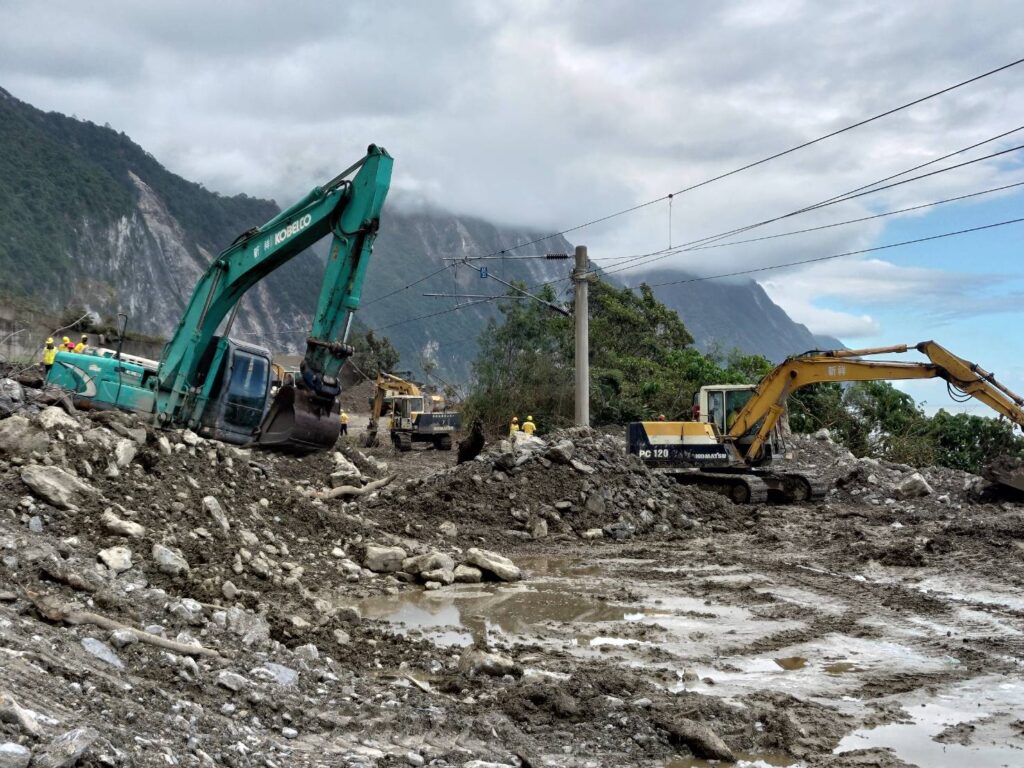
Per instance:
x=407, y=287
x=799, y=262
x=861, y=219
x=767, y=159
x=650, y=258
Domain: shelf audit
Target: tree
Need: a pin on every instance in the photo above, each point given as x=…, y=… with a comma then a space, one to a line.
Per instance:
x=374, y=354
x=641, y=362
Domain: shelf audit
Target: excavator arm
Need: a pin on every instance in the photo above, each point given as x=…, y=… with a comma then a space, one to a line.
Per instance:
x=766, y=405
x=348, y=209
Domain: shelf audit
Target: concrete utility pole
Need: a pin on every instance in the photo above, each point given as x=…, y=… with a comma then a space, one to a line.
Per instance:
x=579, y=275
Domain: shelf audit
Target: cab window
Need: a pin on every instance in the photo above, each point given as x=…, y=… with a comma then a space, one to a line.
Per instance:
x=716, y=410
x=247, y=390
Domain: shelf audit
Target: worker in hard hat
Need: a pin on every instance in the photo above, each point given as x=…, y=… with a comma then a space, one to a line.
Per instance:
x=528, y=426
x=514, y=427
x=49, y=355
x=83, y=344
x=661, y=417
x=66, y=343
x=344, y=423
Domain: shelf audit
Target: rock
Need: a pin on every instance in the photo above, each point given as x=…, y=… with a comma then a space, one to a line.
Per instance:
x=164, y=445
x=229, y=590
x=169, y=562
x=595, y=503
x=277, y=673
x=467, y=574
x=582, y=468
x=231, y=680
x=102, y=651
x=442, y=576
x=620, y=530
x=415, y=759
x=823, y=435
x=429, y=562
x=114, y=524
x=492, y=562
x=309, y=652
x=12, y=390
x=561, y=452
x=55, y=486
x=474, y=662
x=485, y=764
x=53, y=418
x=913, y=486
x=383, y=559
x=16, y=756
x=524, y=443
x=65, y=750
x=699, y=738
x=188, y=610
x=341, y=637
x=35, y=524
x=448, y=529
x=539, y=528
x=563, y=506
x=117, y=559
x=345, y=472
x=216, y=511
x=190, y=438
x=593, y=533
x=252, y=628
x=20, y=437
x=289, y=733
x=122, y=638
x=124, y=452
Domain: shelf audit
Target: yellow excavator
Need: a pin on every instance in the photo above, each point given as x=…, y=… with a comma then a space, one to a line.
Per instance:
x=729, y=444
x=409, y=420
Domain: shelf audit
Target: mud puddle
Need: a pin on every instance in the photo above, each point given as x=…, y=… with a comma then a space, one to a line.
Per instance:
x=743, y=760
x=975, y=723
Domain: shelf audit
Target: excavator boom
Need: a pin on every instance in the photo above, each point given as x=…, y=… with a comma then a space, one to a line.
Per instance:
x=764, y=408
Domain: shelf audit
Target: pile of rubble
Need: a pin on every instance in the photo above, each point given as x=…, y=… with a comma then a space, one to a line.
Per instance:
x=578, y=483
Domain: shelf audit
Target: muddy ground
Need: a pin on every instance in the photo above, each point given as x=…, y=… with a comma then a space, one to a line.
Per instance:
x=142, y=623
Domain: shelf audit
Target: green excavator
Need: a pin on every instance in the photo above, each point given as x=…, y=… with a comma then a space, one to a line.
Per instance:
x=221, y=388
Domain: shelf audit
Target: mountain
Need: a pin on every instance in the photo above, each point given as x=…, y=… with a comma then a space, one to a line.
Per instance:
x=734, y=314
x=90, y=219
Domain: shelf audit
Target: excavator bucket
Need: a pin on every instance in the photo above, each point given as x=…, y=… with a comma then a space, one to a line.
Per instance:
x=299, y=422
x=1007, y=471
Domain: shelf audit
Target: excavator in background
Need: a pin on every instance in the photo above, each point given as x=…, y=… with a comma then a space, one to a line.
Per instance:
x=729, y=445
x=410, y=420
x=223, y=388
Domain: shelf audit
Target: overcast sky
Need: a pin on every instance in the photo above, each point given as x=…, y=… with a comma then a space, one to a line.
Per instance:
x=549, y=114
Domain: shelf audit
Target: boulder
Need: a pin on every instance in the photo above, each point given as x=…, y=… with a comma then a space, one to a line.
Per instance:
x=539, y=528
x=474, y=662
x=823, y=434
x=383, y=559
x=19, y=437
x=11, y=390
x=231, y=680
x=52, y=417
x=561, y=452
x=345, y=472
x=440, y=575
x=65, y=750
x=117, y=559
x=524, y=443
x=114, y=524
x=14, y=755
x=124, y=452
x=493, y=563
x=252, y=628
x=55, y=486
x=216, y=511
x=699, y=738
x=168, y=561
x=913, y=486
x=429, y=562
x=102, y=651
x=467, y=574
x=448, y=529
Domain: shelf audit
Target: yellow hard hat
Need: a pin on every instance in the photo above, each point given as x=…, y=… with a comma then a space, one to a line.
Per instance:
x=49, y=340
x=84, y=337
x=65, y=339
x=529, y=418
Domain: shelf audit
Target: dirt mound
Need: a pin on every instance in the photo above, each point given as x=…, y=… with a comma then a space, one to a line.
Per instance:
x=577, y=482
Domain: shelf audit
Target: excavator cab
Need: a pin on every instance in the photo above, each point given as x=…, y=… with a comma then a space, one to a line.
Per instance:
x=239, y=390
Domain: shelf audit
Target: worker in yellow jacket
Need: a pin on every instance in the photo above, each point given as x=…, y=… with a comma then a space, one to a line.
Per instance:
x=529, y=427
x=83, y=344
x=49, y=355
x=514, y=427
x=344, y=423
